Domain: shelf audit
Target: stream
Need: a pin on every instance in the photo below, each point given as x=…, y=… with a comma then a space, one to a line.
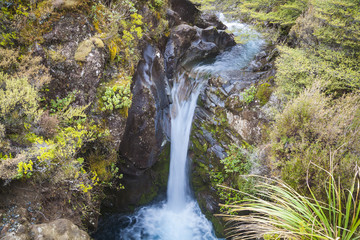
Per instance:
x=178, y=217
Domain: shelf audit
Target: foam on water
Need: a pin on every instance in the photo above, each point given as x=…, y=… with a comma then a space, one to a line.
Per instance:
x=239, y=56
x=160, y=222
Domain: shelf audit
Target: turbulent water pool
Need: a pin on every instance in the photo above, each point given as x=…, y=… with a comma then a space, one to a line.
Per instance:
x=179, y=216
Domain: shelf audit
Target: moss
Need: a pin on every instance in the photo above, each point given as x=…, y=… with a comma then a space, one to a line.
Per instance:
x=160, y=174
x=83, y=50
x=86, y=46
x=97, y=42
x=263, y=93
x=161, y=168
x=56, y=56
x=148, y=196
x=219, y=226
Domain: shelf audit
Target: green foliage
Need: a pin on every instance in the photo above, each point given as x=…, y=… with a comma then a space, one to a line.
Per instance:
x=248, y=95
x=25, y=170
x=314, y=128
x=18, y=102
x=117, y=97
x=234, y=162
x=339, y=23
x=8, y=39
x=61, y=103
x=237, y=163
x=297, y=69
x=156, y=4
x=280, y=212
x=5, y=156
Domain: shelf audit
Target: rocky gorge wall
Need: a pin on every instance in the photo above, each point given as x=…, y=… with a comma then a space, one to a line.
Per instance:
x=144, y=152
x=138, y=142
x=137, y=147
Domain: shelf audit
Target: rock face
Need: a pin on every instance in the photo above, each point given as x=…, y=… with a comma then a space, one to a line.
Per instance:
x=148, y=126
x=76, y=59
x=222, y=118
x=185, y=9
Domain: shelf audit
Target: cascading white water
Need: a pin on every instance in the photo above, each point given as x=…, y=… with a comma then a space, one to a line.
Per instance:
x=182, y=111
x=179, y=217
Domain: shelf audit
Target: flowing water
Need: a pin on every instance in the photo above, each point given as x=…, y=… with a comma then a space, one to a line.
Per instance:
x=179, y=216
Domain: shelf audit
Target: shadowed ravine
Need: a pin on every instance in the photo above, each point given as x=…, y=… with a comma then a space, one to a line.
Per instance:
x=179, y=216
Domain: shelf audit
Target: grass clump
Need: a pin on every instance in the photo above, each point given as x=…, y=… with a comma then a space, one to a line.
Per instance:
x=277, y=211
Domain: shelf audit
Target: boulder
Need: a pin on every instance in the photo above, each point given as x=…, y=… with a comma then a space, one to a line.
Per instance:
x=205, y=20
x=61, y=229
x=189, y=44
x=186, y=10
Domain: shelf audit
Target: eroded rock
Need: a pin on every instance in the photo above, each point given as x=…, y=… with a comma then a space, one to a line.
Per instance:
x=148, y=122
x=189, y=44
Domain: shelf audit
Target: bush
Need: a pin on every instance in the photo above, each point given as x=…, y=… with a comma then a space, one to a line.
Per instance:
x=239, y=161
x=18, y=102
x=314, y=128
x=297, y=69
x=248, y=95
x=117, y=97
x=24, y=66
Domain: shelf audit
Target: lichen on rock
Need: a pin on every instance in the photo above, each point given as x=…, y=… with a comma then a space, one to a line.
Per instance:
x=85, y=48
x=66, y=4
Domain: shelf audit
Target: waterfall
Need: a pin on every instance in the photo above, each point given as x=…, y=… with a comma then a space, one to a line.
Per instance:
x=182, y=111
x=179, y=217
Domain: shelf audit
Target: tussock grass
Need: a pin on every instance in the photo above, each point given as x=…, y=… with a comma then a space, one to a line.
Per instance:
x=277, y=211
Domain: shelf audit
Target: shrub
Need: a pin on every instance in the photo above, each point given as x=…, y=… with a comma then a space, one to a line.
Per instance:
x=18, y=102
x=248, y=95
x=239, y=161
x=297, y=69
x=339, y=23
x=49, y=124
x=314, y=128
x=117, y=97
x=24, y=66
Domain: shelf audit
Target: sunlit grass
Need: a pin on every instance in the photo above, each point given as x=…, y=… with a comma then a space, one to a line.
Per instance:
x=277, y=211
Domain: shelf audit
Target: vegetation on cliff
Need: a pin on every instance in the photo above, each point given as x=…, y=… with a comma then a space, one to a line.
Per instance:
x=55, y=134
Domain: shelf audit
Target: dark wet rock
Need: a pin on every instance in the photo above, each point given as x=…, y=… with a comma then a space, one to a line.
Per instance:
x=173, y=18
x=148, y=125
x=207, y=19
x=189, y=44
x=186, y=10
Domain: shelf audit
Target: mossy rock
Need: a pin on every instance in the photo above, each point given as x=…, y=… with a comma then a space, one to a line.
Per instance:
x=86, y=46
x=263, y=93
x=160, y=174
x=56, y=56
